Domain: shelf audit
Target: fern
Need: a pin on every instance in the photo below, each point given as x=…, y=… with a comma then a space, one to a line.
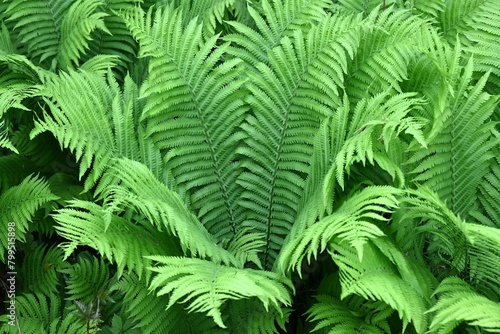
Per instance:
x=18, y=204
x=208, y=285
x=200, y=104
x=459, y=302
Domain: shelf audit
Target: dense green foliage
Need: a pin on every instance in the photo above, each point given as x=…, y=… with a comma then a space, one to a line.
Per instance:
x=245, y=166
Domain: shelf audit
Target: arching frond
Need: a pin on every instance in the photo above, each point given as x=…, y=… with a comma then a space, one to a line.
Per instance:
x=206, y=285
x=463, y=144
x=131, y=184
x=457, y=303
x=194, y=98
x=276, y=20
x=87, y=224
x=286, y=112
x=350, y=223
x=96, y=120
x=18, y=206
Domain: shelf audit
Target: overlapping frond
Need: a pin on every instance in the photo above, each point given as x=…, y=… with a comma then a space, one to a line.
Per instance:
x=463, y=144
x=390, y=41
x=114, y=238
x=96, y=120
x=457, y=303
x=352, y=223
x=130, y=184
x=286, y=112
x=18, y=205
x=205, y=285
x=193, y=111
x=276, y=20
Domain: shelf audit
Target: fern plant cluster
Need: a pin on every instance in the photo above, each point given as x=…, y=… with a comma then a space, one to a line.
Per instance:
x=245, y=166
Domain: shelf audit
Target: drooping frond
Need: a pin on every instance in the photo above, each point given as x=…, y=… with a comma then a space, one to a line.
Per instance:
x=390, y=41
x=38, y=313
x=194, y=98
x=350, y=223
x=471, y=250
x=457, y=303
x=488, y=212
x=96, y=120
x=87, y=281
x=205, y=286
x=335, y=315
x=286, y=112
x=463, y=144
x=87, y=224
x=278, y=19
x=56, y=30
x=376, y=278
x=130, y=184
x=18, y=206
x=150, y=314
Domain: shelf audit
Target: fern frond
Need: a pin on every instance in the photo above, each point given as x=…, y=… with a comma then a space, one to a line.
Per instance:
x=194, y=98
x=116, y=239
x=150, y=312
x=17, y=208
x=206, y=285
x=464, y=144
x=375, y=123
x=40, y=270
x=339, y=318
x=39, y=24
x=87, y=280
x=376, y=278
x=287, y=111
x=350, y=223
x=38, y=313
x=390, y=41
x=210, y=12
x=76, y=28
x=276, y=20
x=249, y=316
x=131, y=184
x=457, y=303
x=470, y=249
x=96, y=120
